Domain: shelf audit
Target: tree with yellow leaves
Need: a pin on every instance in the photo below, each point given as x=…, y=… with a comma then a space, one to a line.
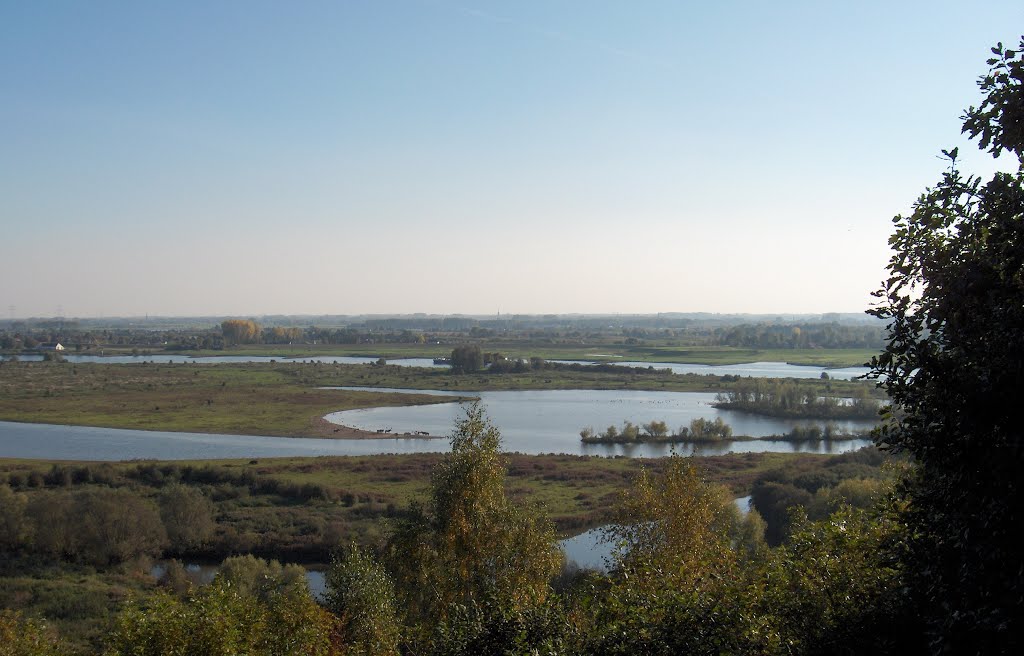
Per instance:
x=471, y=547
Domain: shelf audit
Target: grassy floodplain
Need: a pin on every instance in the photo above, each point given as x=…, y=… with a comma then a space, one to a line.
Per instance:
x=282, y=399
x=245, y=399
x=345, y=496
x=299, y=510
x=593, y=350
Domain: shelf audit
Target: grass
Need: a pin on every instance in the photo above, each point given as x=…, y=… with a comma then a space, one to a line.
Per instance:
x=300, y=509
x=355, y=491
x=282, y=399
x=606, y=350
x=234, y=399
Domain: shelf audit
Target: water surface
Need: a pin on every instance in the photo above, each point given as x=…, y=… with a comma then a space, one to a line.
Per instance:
x=755, y=369
x=549, y=421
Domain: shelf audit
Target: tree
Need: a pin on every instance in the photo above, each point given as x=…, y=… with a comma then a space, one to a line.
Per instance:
x=223, y=621
x=467, y=358
x=362, y=596
x=656, y=429
x=98, y=526
x=677, y=586
x=187, y=516
x=240, y=331
x=471, y=547
x=21, y=636
x=673, y=527
x=953, y=366
x=15, y=528
x=252, y=576
x=833, y=589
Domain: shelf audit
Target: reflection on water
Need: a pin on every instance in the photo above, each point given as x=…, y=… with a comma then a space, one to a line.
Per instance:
x=203, y=574
x=592, y=549
x=549, y=421
x=589, y=550
x=755, y=369
x=533, y=422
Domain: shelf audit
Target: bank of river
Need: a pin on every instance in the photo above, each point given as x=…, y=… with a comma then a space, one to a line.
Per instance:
x=753, y=369
x=592, y=550
x=586, y=550
x=549, y=421
x=173, y=358
x=533, y=422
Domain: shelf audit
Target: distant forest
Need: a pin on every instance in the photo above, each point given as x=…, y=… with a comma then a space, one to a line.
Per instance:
x=826, y=331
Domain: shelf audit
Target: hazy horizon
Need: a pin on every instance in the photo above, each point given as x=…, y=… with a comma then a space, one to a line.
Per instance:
x=324, y=158
x=271, y=319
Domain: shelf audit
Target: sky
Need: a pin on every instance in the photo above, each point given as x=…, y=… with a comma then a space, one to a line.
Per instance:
x=397, y=156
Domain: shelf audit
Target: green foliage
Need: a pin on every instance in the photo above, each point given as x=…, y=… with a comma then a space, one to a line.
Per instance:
x=699, y=430
x=834, y=589
x=361, y=595
x=15, y=527
x=954, y=368
x=796, y=399
x=773, y=500
x=656, y=429
x=472, y=545
x=488, y=628
x=240, y=331
x=222, y=621
x=819, y=487
x=706, y=429
x=693, y=578
x=20, y=636
x=672, y=528
x=265, y=579
x=677, y=586
x=466, y=359
x=187, y=516
x=175, y=578
x=100, y=527
x=998, y=123
x=830, y=335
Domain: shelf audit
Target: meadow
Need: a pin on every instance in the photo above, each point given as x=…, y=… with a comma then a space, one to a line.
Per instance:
x=286, y=399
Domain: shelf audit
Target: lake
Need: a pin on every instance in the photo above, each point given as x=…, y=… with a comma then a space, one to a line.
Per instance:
x=549, y=421
x=531, y=422
x=754, y=369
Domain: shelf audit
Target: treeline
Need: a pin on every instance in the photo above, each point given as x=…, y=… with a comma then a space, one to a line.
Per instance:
x=102, y=527
x=296, y=521
x=789, y=399
x=699, y=430
x=470, y=358
x=801, y=335
x=80, y=336
x=856, y=479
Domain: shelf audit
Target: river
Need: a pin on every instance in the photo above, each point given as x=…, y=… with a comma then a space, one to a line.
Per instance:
x=532, y=422
x=754, y=369
x=549, y=421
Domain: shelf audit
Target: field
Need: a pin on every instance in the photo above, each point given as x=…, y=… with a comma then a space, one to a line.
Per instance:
x=282, y=399
x=356, y=492
x=599, y=350
x=233, y=399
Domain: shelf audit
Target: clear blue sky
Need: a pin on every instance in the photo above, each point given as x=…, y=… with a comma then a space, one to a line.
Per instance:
x=247, y=158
